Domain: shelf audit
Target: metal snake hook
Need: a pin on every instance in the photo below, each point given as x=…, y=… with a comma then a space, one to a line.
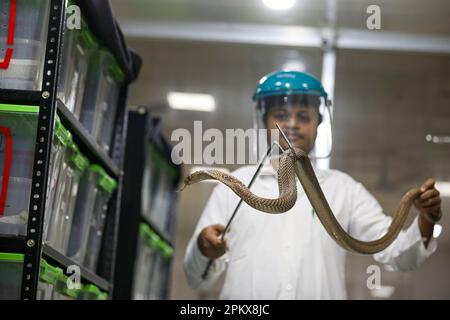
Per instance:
x=260, y=165
x=286, y=139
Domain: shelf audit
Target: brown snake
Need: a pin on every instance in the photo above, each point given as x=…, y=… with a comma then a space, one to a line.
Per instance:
x=299, y=165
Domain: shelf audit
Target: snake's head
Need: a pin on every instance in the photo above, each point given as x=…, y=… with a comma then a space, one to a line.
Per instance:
x=297, y=153
x=187, y=181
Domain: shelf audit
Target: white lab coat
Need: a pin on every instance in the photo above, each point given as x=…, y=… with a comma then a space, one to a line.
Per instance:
x=290, y=255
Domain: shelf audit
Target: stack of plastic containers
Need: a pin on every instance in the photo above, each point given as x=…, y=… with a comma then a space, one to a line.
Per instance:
x=149, y=180
x=78, y=48
x=100, y=102
x=11, y=268
x=61, y=140
x=160, y=271
x=157, y=190
x=92, y=292
x=95, y=191
x=63, y=291
x=72, y=167
x=18, y=127
x=147, y=252
x=105, y=187
x=23, y=43
x=160, y=211
x=49, y=275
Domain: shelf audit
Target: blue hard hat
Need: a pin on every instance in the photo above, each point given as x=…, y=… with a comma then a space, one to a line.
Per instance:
x=289, y=82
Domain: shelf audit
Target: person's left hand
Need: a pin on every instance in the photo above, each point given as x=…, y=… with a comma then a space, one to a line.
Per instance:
x=429, y=202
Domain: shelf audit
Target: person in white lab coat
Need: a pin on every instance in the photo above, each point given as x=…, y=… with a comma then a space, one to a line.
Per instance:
x=290, y=255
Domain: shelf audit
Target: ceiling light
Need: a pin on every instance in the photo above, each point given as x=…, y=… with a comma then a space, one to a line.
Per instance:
x=294, y=65
x=191, y=101
x=437, y=139
x=279, y=4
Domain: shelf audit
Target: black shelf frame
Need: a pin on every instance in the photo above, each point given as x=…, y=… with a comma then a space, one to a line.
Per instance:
x=46, y=118
x=25, y=97
x=16, y=244
x=13, y=244
x=56, y=258
x=32, y=245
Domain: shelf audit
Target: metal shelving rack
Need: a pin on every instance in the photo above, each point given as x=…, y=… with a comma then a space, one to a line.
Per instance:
x=31, y=245
x=131, y=211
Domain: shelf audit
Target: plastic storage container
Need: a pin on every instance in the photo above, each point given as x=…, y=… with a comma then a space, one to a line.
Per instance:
x=26, y=44
x=48, y=276
x=92, y=292
x=71, y=169
x=147, y=252
x=18, y=127
x=158, y=284
x=159, y=213
x=62, y=138
x=11, y=266
x=168, y=198
x=148, y=185
x=100, y=102
x=84, y=209
x=104, y=188
x=62, y=290
x=162, y=198
x=78, y=47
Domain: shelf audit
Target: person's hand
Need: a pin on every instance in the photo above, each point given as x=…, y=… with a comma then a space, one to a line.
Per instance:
x=210, y=243
x=429, y=202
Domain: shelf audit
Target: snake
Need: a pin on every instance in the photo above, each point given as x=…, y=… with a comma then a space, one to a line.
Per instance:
x=293, y=163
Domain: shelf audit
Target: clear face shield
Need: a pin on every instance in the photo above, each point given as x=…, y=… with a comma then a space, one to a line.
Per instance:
x=306, y=120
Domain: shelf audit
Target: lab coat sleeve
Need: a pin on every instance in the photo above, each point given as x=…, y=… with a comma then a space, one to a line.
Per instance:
x=368, y=222
x=215, y=212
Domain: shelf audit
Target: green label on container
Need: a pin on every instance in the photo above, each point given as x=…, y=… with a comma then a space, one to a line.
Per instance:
x=102, y=296
x=62, y=134
x=117, y=72
x=78, y=160
x=152, y=239
x=105, y=182
x=18, y=108
x=92, y=290
x=89, y=39
x=49, y=274
x=165, y=249
x=4, y=256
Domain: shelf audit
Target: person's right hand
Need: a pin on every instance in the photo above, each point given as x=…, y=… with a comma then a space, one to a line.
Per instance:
x=210, y=243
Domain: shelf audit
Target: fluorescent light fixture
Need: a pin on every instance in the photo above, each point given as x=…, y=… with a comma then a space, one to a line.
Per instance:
x=191, y=101
x=383, y=292
x=437, y=230
x=198, y=168
x=437, y=139
x=279, y=4
x=443, y=187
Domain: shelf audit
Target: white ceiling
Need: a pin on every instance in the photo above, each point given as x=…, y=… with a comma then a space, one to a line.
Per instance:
x=414, y=16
